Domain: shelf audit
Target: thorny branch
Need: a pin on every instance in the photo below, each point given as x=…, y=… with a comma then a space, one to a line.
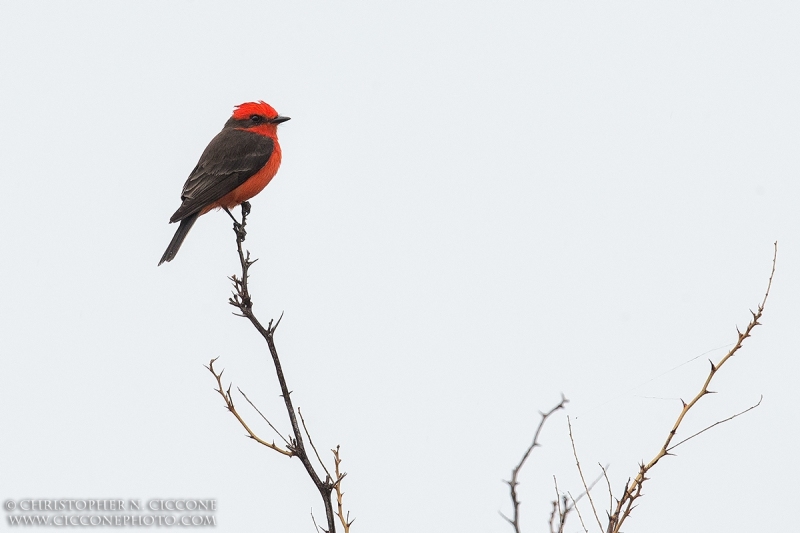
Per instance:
x=633, y=488
x=226, y=396
x=512, y=484
x=295, y=446
x=345, y=519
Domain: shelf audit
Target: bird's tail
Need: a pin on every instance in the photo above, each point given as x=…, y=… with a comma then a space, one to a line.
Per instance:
x=177, y=240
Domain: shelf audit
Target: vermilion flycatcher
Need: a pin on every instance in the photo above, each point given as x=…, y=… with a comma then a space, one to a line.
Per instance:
x=236, y=165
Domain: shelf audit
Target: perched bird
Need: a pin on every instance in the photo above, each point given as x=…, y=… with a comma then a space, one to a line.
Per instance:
x=235, y=166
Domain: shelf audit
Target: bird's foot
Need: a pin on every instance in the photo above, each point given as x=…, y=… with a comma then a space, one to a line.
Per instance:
x=239, y=227
x=241, y=233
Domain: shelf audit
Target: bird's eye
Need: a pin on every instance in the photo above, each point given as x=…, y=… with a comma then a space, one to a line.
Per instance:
x=256, y=118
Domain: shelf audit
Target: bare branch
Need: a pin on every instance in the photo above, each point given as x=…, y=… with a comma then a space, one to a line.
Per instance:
x=591, y=486
x=316, y=527
x=717, y=423
x=262, y=416
x=577, y=510
x=557, y=507
x=345, y=520
x=243, y=302
x=515, y=473
x=583, y=479
x=608, y=483
x=562, y=505
x=567, y=505
x=312, y=444
x=633, y=489
x=226, y=396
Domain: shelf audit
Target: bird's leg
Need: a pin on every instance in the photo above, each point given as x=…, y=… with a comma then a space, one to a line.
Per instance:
x=237, y=227
x=241, y=233
x=231, y=215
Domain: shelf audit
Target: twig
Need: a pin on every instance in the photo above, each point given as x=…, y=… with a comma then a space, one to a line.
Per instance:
x=569, y=506
x=302, y=421
x=717, y=423
x=556, y=507
x=633, y=489
x=262, y=416
x=226, y=396
x=608, y=483
x=591, y=486
x=562, y=511
x=316, y=527
x=515, y=472
x=346, y=522
x=577, y=510
x=583, y=479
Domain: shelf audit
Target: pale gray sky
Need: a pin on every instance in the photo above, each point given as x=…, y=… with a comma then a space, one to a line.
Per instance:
x=481, y=205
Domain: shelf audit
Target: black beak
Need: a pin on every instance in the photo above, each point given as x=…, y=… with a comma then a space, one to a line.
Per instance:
x=278, y=120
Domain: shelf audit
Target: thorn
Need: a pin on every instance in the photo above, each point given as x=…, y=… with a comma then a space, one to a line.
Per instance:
x=713, y=368
x=278, y=322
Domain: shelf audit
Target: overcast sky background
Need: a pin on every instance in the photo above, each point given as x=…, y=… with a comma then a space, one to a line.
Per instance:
x=481, y=205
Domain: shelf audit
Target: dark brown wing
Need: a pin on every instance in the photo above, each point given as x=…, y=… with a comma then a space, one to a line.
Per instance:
x=229, y=160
